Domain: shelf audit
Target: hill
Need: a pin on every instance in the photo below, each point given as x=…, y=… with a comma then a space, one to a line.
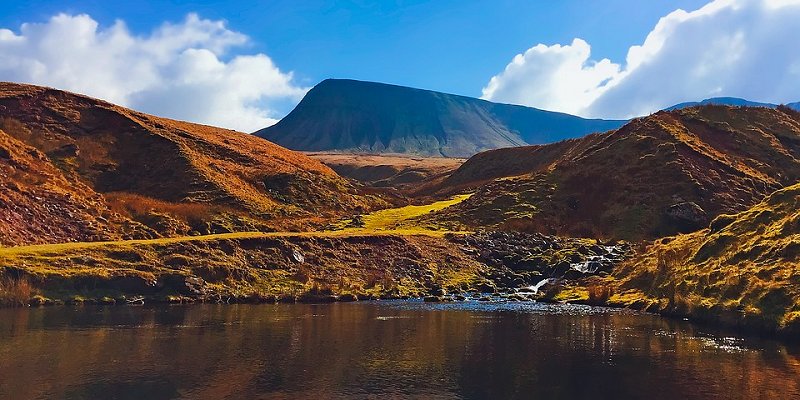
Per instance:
x=107, y=167
x=729, y=101
x=658, y=175
x=366, y=117
x=741, y=271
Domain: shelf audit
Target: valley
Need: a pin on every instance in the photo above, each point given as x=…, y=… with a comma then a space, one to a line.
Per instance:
x=106, y=205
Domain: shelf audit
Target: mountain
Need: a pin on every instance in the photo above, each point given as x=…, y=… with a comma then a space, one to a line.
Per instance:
x=76, y=168
x=658, y=175
x=366, y=117
x=730, y=101
x=721, y=101
x=741, y=271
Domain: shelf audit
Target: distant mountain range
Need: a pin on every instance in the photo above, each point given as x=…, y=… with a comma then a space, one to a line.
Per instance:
x=730, y=101
x=365, y=117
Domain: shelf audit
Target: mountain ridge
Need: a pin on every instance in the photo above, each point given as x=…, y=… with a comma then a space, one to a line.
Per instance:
x=730, y=101
x=347, y=115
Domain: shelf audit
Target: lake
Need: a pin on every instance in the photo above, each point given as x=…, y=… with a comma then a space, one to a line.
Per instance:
x=386, y=350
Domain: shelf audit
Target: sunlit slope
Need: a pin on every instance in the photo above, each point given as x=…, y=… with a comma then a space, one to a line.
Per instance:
x=171, y=177
x=744, y=269
x=659, y=175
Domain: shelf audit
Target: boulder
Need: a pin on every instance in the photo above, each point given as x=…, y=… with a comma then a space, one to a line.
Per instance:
x=688, y=215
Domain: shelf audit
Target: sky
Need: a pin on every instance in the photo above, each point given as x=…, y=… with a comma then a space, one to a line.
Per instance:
x=245, y=64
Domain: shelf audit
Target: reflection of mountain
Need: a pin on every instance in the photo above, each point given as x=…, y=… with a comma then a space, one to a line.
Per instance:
x=366, y=117
x=369, y=350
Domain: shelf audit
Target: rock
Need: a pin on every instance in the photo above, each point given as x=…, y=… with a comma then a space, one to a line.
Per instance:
x=298, y=257
x=688, y=214
x=108, y=301
x=573, y=274
x=437, y=291
x=185, y=285
x=316, y=298
x=517, y=297
x=40, y=300
x=286, y=298
x=432, y=299
x=348, y=297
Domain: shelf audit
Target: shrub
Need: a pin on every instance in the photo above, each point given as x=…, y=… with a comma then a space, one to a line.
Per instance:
x=138, y=206
x=16, y=292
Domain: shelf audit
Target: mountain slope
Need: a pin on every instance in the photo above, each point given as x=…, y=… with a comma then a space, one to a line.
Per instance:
x=38, y=204
x=666, y=173
x=741, y=271
x=173, y=176
x=355, y=116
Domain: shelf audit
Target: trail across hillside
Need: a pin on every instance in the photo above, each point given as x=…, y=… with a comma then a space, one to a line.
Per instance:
x=394, y=221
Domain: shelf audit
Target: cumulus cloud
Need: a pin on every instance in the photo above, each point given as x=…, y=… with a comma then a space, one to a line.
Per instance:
x=740, y=48
x=181, y=70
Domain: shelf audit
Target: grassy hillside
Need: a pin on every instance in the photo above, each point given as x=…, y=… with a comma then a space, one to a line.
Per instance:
x=366, y=117
x=659, y=175
x=171, y=177
x=744, y=270
x=38, y=204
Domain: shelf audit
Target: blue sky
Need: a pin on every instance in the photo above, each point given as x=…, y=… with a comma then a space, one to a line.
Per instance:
x=428, y=44
x=246, y=64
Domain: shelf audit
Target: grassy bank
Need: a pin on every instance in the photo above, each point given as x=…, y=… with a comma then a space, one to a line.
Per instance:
x=385, y=254
x=743, y=271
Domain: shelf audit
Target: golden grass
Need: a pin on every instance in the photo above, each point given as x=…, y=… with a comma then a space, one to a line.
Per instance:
x=391, y=222
x=744, y=270
x=403, y=217
x=134, y=205
x=15, y=292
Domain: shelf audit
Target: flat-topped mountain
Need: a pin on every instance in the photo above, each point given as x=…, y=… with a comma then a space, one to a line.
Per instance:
x=365, y=117
x=77, y=168
x=670, y=172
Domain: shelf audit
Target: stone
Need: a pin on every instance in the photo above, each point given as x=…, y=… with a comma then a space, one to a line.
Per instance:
x=298, y=257
x=688, y=213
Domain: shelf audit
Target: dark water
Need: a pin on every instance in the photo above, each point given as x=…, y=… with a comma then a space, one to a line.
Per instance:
x=380, y=350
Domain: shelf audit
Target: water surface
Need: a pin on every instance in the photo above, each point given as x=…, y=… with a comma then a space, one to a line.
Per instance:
x=380, y=350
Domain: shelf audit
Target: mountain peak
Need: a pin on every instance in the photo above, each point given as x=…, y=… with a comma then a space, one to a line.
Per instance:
x=346, y=115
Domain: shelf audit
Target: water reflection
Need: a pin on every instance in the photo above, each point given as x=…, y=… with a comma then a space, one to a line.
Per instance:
x=394, y=350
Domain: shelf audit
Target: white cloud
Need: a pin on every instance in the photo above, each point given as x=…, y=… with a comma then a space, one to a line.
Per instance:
x=179, y=70
x=552, y=77
x=741, y=48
